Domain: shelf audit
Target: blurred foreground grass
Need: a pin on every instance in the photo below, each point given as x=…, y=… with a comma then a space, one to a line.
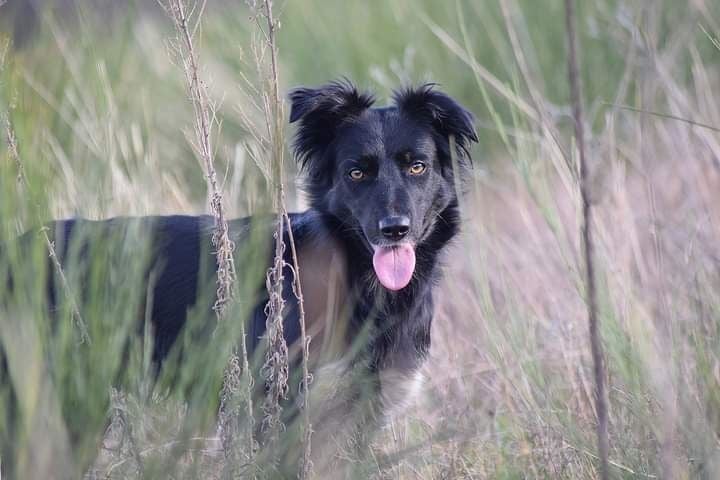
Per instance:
x=101, y=115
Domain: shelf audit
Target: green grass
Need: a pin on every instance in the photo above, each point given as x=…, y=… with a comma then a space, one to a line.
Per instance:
x=101, y=117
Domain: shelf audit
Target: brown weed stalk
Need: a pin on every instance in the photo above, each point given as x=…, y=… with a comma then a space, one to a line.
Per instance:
x=49, y=244
x=204, y=113
x=119, y=406
x=276, y=368
x=587, y=243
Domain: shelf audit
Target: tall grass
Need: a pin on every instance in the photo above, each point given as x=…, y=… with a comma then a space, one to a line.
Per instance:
x=99, y=121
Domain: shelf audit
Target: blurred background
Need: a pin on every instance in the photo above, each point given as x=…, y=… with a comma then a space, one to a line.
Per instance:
x=101, y=117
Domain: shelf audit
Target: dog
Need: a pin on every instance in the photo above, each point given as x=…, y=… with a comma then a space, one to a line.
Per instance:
x=382, y=185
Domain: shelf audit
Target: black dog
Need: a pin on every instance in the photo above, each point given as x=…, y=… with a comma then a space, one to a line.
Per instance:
x=382, y=189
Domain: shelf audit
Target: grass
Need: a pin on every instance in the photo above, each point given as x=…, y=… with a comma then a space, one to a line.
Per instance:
x=102, y=123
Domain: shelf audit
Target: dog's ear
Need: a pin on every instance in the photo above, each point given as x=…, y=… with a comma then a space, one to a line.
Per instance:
x=321, y=111
x=447, y=117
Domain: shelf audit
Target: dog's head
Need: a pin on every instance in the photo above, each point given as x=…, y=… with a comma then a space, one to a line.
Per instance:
x=385, y=173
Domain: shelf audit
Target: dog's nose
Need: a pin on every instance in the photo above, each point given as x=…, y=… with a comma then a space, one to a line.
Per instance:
x=395, y=227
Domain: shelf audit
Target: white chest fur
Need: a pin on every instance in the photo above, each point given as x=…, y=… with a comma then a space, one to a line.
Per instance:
x=398, y=390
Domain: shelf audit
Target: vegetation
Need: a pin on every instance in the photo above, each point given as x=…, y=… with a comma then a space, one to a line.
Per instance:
x=102, y=126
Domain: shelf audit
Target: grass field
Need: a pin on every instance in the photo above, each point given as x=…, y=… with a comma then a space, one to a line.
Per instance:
x=102, y=121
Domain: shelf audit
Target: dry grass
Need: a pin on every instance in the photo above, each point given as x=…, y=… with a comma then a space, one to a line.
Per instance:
x=522, y=382
x=14, y=155
x=237, y=379
x=275, y=369
x=510, y=391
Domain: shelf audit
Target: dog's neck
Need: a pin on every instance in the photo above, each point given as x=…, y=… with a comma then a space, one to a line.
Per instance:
x=395, y=321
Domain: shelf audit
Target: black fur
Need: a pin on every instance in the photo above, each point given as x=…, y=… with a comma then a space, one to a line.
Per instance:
x=337, y=130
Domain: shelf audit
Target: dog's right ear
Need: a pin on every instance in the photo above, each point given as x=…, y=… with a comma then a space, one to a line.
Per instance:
x=321, y=111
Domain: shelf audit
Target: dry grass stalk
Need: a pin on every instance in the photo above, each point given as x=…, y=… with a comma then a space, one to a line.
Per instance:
x=118, y=402
x=49, y=244
x=587, y=242
x=204, y=119
x=306, y=462
x=275, y=368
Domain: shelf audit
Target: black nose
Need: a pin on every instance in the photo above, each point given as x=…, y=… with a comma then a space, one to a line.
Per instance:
x=394, y=228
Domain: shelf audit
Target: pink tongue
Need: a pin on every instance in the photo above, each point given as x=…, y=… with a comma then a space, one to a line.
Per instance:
x=394, y=266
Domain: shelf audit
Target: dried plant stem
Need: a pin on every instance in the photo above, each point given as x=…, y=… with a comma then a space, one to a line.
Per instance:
x=118, y=402
x=224, y=247
x=587, y=242
x=203, y=129
x=277, y=352
x=306, y=462
x=49, y=244
x=275, y=368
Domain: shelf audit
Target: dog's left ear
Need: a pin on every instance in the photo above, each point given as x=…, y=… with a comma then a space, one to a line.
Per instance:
x=447, y=117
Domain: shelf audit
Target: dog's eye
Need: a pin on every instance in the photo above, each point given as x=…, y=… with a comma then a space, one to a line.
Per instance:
x=356, y=174
x=417, y=168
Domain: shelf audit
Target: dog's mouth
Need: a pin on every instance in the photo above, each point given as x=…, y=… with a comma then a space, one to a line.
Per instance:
x=394, y=265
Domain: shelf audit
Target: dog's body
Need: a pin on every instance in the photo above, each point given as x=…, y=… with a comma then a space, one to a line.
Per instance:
x=382, y=189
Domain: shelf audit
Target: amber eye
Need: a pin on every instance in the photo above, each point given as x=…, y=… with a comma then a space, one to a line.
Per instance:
x=356, y=174
x=417, y=168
